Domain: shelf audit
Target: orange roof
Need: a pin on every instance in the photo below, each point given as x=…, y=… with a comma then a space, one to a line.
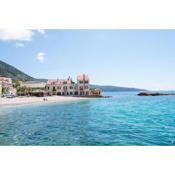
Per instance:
x=59, y=81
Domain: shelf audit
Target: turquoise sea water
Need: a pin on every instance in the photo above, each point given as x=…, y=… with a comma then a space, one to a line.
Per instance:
x=125, y=119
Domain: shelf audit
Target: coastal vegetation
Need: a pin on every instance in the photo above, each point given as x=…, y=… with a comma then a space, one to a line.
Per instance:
x=23, y=90
x=4, y=90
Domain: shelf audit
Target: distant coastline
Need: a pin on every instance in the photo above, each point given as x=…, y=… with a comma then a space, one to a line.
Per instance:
x=109, y=88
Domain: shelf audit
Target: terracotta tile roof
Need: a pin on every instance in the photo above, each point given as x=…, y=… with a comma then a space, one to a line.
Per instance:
x=59, y=81
x=51, y=81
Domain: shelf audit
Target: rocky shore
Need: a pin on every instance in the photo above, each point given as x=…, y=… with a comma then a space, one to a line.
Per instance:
x=154, y=94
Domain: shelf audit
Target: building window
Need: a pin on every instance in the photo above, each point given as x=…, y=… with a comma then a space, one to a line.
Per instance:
x=59, y=93
x=58, y=87
x=71, y=87
x=65, y=87
x=87, y=82
x=48, y=87
x=81, y=93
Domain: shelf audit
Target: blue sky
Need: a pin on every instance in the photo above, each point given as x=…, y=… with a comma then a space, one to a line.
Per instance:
x=131, y=58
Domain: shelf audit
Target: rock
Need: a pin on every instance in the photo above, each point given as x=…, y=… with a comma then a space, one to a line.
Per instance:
x=153, y=94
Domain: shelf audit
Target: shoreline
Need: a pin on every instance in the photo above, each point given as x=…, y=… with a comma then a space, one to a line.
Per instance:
x=7, y=102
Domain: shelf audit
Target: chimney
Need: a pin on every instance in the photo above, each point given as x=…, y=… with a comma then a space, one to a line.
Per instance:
x=83, y=76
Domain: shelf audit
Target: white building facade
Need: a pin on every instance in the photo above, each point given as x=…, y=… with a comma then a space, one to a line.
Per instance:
x=83, y=85
x=61, y=87
x=67, y=87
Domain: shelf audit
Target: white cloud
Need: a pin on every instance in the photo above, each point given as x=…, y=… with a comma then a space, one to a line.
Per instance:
x=40, y=56
x=16, y=35
x=41, y=31
x=20, y=44
x=21, y=37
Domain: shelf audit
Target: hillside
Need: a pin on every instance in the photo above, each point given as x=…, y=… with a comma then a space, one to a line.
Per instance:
x=7, y=70
x=108, y=88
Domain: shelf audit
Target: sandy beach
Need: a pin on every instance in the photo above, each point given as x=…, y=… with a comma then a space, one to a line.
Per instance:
x=33, y=100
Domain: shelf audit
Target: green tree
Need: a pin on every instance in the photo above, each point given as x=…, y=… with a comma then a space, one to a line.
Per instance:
x=21, y=90
x=18, y=83
x=29, y=90
x=4, y=90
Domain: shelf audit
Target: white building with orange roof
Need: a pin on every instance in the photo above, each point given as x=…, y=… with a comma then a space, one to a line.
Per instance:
x=68, y=87
x=61, y=87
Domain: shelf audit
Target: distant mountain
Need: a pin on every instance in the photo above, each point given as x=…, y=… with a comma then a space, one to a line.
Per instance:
x=7, y=70
x=108, y=88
